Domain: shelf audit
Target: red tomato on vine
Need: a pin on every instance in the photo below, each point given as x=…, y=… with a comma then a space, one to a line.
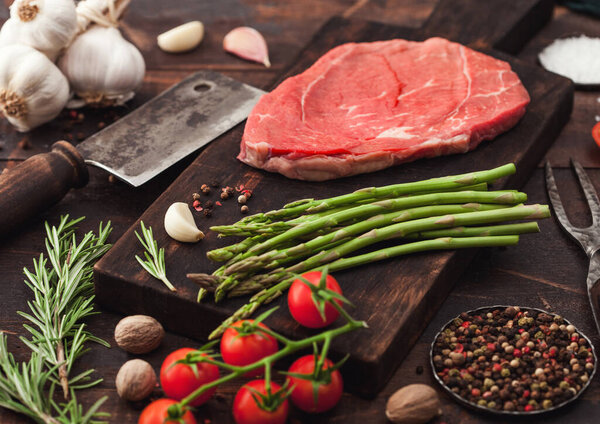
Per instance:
x=302, y=305
x=316, y=392
x=253, y=405
x=158, y=411
x=243, y=344
x=596, y=133
x=178, y=380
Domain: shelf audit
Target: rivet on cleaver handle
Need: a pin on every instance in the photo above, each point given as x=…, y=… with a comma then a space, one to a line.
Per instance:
x=170, y=126
x=135, y=148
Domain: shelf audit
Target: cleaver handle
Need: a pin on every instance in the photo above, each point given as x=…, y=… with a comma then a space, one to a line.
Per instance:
x=39, y=182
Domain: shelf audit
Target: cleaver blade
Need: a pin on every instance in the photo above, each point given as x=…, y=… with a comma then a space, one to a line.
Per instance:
x=169, y=127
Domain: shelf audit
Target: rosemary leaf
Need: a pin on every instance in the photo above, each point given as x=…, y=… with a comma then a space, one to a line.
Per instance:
x=155, y=257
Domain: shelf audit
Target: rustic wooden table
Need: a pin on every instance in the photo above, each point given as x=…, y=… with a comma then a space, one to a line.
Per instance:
x=546, y=270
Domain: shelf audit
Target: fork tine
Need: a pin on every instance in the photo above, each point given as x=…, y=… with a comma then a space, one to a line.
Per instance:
x=588, y=190
x=554, y=197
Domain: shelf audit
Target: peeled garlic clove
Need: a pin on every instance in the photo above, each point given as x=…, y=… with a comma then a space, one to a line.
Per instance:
x=182, y=38
x=247, y=43
x=180, y=224
x=32, y=89
x=46, y=25
x=103, y=68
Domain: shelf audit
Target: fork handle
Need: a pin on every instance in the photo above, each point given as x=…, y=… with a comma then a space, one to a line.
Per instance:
x=593, y=287
x=39, y=182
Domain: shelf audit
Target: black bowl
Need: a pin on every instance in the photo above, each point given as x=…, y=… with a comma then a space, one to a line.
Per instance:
x=480, y=408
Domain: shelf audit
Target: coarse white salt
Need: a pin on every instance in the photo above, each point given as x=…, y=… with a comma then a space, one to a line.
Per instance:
x=577, y=58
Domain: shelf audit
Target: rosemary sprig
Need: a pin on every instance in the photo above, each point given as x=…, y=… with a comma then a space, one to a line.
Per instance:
x=63, y=294
x=155, y=257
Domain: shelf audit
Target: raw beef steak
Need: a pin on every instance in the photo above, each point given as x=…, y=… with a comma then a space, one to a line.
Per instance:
x=367, y=106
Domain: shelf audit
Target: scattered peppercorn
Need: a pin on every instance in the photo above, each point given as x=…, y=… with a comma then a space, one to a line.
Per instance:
x=512, y=359
x=244, y=209
x=24, y=143
x=242, y=199
x=195, y=196
x=207, y=212
x=205, y=189
x=419, y=369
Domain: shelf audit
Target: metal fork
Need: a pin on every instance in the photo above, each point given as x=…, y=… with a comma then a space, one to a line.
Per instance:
x=588, y=238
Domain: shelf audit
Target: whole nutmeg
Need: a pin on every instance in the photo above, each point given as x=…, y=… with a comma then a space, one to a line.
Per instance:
x=135, y=380
x=139, y=334
x=413, y=404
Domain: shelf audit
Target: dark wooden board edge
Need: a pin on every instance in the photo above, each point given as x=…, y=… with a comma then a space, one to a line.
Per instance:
x=497, y=24
x=400, y=346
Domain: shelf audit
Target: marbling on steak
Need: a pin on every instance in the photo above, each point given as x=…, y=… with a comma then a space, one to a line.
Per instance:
x=367, y=106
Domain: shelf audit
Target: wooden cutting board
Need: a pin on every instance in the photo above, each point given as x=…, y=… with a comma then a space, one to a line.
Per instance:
x=397, y=297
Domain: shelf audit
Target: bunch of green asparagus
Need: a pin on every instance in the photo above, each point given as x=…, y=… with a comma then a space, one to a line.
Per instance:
x=436, y=214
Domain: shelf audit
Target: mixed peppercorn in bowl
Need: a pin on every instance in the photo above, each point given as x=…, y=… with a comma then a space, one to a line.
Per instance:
x=512, y=360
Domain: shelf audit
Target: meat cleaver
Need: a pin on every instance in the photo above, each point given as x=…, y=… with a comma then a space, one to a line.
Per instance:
x=134, y=149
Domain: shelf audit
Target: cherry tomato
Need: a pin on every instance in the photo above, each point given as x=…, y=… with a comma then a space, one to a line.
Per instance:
x=596, y=133
x=156, y=412
x=179, y=380
x=243, y=349
x=246, y=411
x=302, y=306
x=303, y=396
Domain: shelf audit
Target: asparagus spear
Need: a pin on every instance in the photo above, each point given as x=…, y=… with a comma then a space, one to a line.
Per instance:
x=251, y=286
x=259, y=219
x=423, y=224
x=401, y=230
x=434, y=184
x=489, y=230
x=382, y=206
x=273, y=292
x=274, y=258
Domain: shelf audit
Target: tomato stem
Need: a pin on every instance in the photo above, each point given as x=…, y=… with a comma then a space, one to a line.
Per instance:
x=290, y=346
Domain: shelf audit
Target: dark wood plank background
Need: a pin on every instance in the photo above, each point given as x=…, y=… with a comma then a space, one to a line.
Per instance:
x=547, y=271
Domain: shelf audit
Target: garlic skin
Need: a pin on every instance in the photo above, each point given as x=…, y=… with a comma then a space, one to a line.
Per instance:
x=182, y=38
x=102, y=12
x=45, y=25
x=247, y=43
x=180, y=224
x=103, y=68
x=32, y=89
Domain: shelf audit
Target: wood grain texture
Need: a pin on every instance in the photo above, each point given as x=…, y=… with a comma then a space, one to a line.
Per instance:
x=548, y=269
x=397, y=298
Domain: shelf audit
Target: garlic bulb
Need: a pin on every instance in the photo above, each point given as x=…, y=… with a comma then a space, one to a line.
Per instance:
x=45, y=25
x=103, y=68
x=180, y=224
x=32, y=89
